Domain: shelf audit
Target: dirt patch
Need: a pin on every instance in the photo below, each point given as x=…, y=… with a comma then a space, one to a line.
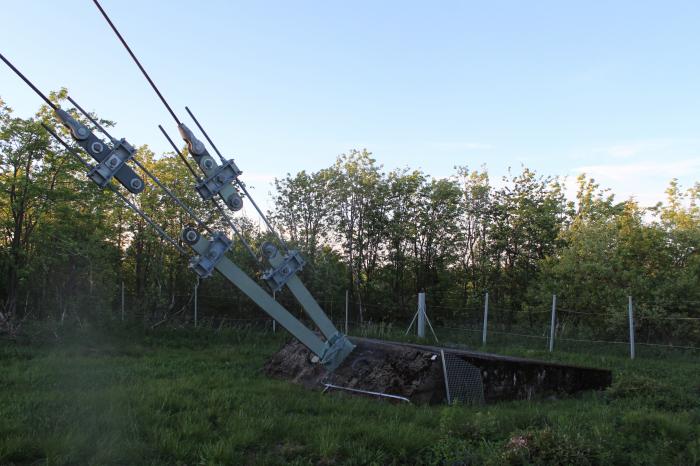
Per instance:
x=398, y=370
x=415, y=372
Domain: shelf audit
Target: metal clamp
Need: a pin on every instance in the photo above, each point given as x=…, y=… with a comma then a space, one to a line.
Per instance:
x=104, y=171
x=111, y=161
x=278, y=276
x=203, y=265
x=223, y=175
x=194, y=145
x=77, y=129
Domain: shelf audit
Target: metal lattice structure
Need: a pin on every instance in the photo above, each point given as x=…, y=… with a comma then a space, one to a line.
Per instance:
x=463, y=383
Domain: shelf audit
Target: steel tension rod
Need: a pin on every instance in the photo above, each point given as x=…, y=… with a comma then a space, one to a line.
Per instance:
x=216, y=204
x=111, y=187
x=155, y=179
x=239, y=182
x=136, y=60
x=112, y=161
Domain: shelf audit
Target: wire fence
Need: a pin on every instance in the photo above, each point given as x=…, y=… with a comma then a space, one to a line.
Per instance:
x=482, y=325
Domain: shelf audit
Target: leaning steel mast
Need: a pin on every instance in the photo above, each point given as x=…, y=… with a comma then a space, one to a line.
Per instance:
x=112, y=163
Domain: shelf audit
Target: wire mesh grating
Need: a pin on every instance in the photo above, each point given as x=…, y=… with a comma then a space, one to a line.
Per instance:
x=463, y=382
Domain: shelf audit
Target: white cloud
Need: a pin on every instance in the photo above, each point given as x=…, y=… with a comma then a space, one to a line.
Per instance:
x=644, y=169
x=644, y=181
x=646, y=147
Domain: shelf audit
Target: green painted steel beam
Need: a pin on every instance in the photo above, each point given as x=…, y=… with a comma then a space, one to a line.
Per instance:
x=313, y=310
x=274, y=309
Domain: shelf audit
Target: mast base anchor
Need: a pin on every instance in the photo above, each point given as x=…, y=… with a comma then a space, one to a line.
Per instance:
x=338, y=347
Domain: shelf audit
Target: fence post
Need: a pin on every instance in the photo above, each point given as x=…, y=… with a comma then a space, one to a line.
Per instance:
x=553, y=322
x=486, y=318
x=196, y=286
x=421, y=314
x=347, y=302
x=122, y=300
x=631, y=318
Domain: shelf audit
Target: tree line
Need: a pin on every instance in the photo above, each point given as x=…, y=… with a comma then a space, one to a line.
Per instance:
x=383, y=236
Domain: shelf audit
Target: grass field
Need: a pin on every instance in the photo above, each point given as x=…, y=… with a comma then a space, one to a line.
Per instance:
x=198, y=397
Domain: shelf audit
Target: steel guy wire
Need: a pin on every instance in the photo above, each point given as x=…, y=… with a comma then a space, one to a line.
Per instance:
x=238, y=182
x=136, y=60
x=84, y=162
x=218, y=207
x=28, y=82
x=155, y=179
x=111, y=187
x=177, y=120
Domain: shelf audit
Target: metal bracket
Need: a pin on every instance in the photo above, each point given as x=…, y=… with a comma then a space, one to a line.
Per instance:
x=218, y=178
x=335, y=351
x=77, y=129
x=221, y=176
x=194, y=145
x=112, y=163
x=204, y=264
x=278, y=276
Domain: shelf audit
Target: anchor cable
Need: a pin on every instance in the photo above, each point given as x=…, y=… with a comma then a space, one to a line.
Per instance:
x=218, y=206
x=182, y=157
x=111, y=187
x=28, y=82
x=177, y=120
x=136, y=60
x=155, y=179
x=239, y=182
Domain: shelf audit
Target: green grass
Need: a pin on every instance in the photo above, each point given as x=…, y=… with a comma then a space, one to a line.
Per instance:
x=199, y=397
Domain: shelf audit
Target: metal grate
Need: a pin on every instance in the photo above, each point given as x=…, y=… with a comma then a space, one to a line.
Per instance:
x=463, y=382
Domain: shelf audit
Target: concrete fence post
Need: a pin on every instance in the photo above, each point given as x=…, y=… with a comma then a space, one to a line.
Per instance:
x=486, y=318
x=630, y=313
x=421, y=314
x=553, y=322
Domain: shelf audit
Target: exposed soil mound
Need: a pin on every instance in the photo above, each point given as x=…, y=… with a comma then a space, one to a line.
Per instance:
x=415, y=372
x=398, y=370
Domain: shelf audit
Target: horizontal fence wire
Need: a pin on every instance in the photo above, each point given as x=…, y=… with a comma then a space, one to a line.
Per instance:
x=215, y=310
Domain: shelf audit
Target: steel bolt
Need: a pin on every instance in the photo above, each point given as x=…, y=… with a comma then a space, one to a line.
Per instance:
x=235, y=202
x=208, y=164
x=269, y=250
x=97, y=147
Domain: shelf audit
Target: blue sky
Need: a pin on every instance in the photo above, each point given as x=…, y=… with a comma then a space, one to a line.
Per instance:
x=610, y=88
